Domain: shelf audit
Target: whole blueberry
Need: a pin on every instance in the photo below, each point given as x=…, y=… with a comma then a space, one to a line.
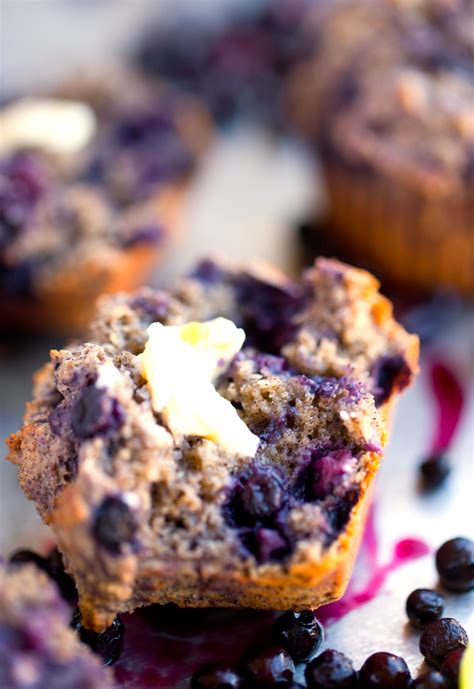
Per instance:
x=386, y=671
x=450, y=667
x=263, y=666
x=424, y=606
x=215, y=676
x=434, y=471
x=440, y=638
x=331, y=670
x=431, y=680
x=114, y=524
x=455, y=564
x=300, y=633
x=95, y=412
x=108, y=644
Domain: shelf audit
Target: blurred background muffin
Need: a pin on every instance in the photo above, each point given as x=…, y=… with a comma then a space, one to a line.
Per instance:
x=387, y=98
x=91, y=179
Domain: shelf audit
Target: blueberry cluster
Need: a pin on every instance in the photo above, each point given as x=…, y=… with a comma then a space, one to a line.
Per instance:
x=297, y=636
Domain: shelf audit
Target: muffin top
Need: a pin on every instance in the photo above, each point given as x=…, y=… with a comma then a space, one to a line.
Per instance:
x=391, y=86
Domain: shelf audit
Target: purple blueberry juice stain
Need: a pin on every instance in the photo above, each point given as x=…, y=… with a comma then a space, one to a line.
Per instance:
x=448, y=396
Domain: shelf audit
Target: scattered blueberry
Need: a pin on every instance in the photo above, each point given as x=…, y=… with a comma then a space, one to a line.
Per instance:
x=215, y=676
x=95, y=413
x=450, y=667
x=263, y=666
x=434, y=471
x=114, y=524
x=455, y=564
x=386, y=671
x=424, y=606
x=331, y=670
x=431, y=680
x=108, y=644
x=440, y=638
x=300, y=633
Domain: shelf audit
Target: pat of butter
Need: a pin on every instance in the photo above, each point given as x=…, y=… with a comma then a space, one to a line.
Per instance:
x=466, y=675
x=59, y=126
x=180, y=364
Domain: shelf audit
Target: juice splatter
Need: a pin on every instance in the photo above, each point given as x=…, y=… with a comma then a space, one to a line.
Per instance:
x=448, y=397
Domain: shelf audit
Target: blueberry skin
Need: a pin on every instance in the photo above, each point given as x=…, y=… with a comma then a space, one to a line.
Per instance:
x=215, y=676
x=455, y=564
x=108, y=644
x=114, y=524
x=264, y=666
x=300, y=633
x=450, y=667
x=431, y=680
x=331, y=670
x=440, y=638
x=424, y=606
x=386, y=671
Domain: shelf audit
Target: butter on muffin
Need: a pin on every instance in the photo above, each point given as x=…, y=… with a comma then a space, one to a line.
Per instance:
x=214, y=443
x=90, y=191
x=387, y=97
x=38, y=649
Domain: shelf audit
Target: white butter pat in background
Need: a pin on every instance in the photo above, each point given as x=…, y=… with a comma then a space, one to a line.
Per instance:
x=59, y=126
x=181, y=364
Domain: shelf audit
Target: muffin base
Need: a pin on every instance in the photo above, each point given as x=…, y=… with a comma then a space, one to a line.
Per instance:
x=413, y=239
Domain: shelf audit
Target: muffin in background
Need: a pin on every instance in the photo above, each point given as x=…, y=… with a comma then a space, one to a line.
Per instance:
x=91, y=184
x=387, y=99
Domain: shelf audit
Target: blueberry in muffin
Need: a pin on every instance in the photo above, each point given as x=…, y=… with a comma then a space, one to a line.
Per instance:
x=214, y=443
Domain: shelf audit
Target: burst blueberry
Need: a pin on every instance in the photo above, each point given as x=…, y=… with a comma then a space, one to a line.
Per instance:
x=385, y=671
x=331, y=670
x=441, y=638
x=95, y=413
x=300, y=633
x=216, y=676
x=258, y=495
x=455, y=564
x=390, y=373
x=424, y=606
x=114, y=524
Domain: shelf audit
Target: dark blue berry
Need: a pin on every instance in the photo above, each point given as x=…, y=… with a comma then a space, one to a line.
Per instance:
x=114, y=524
x=26, y=557
x=264, y=666
x=266, y=545
x=108, y=644
x=451, y=666
x=431, y=680
x=331, y=670
x=434, y=471
x=258, y=495
x=424, y=606
x=215, y=676
x=455, y=564
x=440, y=638
x=300, y=633
x=96, y=413
x=390, y=374
x=385, y=671
x=325, y=473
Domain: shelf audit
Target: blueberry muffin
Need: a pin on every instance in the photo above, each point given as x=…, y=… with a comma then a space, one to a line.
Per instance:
x=392, y=118
x=237, y=65
x=90, y=189
x=38, y=650
x=214, y=443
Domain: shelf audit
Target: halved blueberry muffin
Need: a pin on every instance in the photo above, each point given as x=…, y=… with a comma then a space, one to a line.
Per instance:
x=213, y=444
x=38, y=649
x=90, y=189
x=392, y=119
